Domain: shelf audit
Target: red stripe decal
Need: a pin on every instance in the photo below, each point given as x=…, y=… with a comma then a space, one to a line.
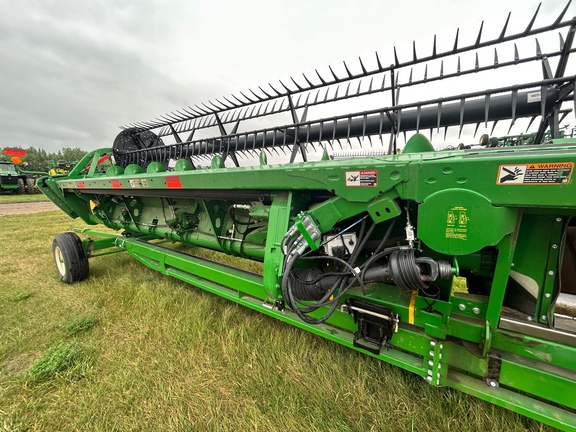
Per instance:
x=173, y=182
x=115, y=183
x=81, y=185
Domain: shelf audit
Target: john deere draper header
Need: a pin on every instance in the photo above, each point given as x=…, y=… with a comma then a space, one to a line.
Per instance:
x=362, y=244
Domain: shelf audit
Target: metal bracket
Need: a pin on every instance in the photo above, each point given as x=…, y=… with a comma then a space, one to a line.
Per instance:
x=272, y=304
x=493, y=370
x=376, y=324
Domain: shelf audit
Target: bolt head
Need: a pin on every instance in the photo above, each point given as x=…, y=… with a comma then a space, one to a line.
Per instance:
x=432, y=343
x=558, y=220
x=429, y=379
x=492, y=384
x=554, y=246
x=476, y=311
x=551, y=273
x=462, y=306
x=547, y=295
x=543, y=318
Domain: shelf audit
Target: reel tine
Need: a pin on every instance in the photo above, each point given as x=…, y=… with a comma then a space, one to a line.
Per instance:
x=503, y=32
x=493, y=127
x=456, y=40
x=531, y=23
x=320, y=77
x=479, y=35
x=461, y=118
x=364, y=71
x=514, y=102
x=559, y=19
x=486, y=109
x=307, y=80
x=296, y=84
x=380, y=68
x=347, y=70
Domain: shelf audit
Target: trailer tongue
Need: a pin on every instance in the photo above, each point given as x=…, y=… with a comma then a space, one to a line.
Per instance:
x=456, y=265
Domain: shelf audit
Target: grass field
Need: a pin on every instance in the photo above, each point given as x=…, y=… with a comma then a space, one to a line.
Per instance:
x=131, y=350
x=14, y=198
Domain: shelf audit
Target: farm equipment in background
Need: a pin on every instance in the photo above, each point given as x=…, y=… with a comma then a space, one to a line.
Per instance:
x=362, y=245
x=60, y=167
x=13, y=177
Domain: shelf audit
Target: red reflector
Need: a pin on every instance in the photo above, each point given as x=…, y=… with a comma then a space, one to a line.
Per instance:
x=81, y=185
x=173, y=182
x=14, y=152
x=115, y=183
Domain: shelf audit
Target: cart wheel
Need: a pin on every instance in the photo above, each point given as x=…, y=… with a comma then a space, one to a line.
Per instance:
x=484, y=139
x=21, y=188
x=30, y=185
x=70, y=257
x=493, y=142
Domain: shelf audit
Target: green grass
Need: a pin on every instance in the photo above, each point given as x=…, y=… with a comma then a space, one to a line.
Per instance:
x=21, y=296
x=162, y=355
x=60, y=361
x=17, y=198
x=79, y=324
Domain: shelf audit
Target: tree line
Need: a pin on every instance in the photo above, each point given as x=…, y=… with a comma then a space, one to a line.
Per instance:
x=41, y=160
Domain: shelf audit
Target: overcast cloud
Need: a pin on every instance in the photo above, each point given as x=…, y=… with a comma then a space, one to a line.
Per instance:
x=73, y=71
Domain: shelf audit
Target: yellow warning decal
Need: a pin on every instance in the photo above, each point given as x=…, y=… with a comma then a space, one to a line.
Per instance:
x=457, y=223
x=411, y=307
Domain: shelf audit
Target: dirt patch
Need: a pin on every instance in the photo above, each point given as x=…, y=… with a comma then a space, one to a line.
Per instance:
x=26, y=208
x=16, y=364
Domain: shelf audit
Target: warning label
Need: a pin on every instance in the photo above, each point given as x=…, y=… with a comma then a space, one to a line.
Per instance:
x=362, y=178
x=138, y=183
x=539, y=173
x=457, y=223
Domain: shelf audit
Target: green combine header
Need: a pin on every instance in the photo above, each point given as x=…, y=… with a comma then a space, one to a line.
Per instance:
x=456, y=265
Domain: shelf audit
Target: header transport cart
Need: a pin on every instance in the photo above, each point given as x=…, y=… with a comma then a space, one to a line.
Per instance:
x=456, y=265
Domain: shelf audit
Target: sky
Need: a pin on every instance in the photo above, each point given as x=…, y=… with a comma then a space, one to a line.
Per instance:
x=73, y=72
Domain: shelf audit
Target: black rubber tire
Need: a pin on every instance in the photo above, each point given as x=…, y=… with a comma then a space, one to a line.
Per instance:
x=493, y=142
x=70, y=257
x=30, y=182
x=21, y=186
x=484, y=139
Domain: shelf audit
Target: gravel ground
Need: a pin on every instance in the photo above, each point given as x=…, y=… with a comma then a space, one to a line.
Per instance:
x=26, y=208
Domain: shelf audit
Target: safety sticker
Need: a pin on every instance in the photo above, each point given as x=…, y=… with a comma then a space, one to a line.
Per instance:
x=553, y=173
x=368, y=178
x=136, y=183
x=457, y=223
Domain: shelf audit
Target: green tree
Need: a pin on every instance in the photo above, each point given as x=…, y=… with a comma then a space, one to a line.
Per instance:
x=72, y=154
x=41, y=160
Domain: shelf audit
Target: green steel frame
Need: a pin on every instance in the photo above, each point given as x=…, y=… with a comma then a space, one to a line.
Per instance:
x=449, y=264
x=458, y=340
